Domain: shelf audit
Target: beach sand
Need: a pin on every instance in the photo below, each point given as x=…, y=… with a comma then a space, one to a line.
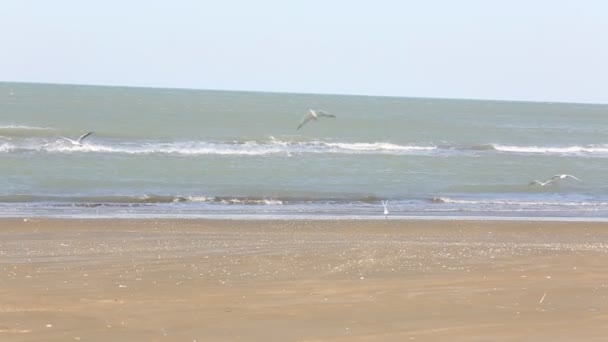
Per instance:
x=231, y=280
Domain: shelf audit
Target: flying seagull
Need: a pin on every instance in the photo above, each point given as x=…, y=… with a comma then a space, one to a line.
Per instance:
x=79, y=140
x=554, y=180
x=563, y=176
x=314, y=115
x=541, y=183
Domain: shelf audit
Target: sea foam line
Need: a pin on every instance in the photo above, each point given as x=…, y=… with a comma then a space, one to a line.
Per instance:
x=251, y=148
x=25, y=128
x=448, y=200
x=6, y=147
x=257, y=148
x=552, y=150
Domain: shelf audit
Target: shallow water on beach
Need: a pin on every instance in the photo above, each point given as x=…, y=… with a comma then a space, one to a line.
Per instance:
x=172, y=152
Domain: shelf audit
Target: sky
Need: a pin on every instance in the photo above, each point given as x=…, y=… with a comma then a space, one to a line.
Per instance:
x=534, y=50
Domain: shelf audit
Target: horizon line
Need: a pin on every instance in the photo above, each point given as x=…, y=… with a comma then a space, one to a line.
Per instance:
x=303, y=93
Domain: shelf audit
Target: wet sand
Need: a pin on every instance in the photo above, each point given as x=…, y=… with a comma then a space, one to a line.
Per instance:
x=213, y=280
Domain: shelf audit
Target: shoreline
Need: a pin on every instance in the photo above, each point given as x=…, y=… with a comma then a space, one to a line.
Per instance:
x=302, y=280
x=288, y=217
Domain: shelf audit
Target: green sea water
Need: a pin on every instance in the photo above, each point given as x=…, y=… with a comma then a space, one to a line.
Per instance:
x=175, y=151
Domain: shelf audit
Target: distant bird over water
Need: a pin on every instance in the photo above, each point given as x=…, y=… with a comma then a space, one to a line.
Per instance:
x=563, y=176
x=554, y=180
x=314, y=115
x=541, y=183
x=79, y=140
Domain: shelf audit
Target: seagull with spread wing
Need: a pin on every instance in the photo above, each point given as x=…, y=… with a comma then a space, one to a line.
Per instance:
x=564, y=176
x=314, y=115
x=79, y=140
x=554, y=180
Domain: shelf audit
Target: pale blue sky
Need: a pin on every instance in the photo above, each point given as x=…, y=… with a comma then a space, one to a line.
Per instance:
x=514, y=50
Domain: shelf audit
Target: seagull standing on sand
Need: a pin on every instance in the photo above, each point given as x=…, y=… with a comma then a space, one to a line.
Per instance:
x=79, y=140
x=314, y=115
x=385, y=205
x=554, y=180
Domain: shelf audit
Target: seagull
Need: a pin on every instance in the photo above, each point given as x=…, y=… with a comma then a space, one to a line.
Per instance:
x=79, y=140
x=554, y=180
x=385, y=204
x=314, y=115
x=541, y=183
x=564, y=176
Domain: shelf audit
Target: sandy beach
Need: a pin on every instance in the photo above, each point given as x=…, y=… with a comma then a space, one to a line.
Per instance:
x=230, y=280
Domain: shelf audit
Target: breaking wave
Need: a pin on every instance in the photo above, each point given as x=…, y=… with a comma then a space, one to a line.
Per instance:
x=94, y=201
x=6, y=147
x=286, y=148
x=23, y=128
x=251, y=148
x=168, y=199
x=599, y=149
x=513, y=202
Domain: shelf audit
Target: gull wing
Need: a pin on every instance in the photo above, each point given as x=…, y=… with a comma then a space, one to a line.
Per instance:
x=541, y=183
x=564, y=177
x=84, y=136
x=571, y=176
x=323, y=113
x=67, y=139
x=549, y=181
x=305, y=119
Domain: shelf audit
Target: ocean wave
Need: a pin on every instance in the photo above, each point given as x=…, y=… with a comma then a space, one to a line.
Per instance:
x=127, y=200
x=459, y=147
x=246, y=148
x=230, y=200
x=513, y=202
x=10, y=132
x=178, y=198
x=551, y=150
x=6, y=147
x=287, y=148
x=23, y=128
x=377, y=147
x=600, y=149
x=165, y=148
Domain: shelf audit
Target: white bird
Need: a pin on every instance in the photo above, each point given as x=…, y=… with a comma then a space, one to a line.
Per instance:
x=314, y=115
x=541, y=183
x=385, y=205
x=564, y=176
x=554, y=180
x=79, y=140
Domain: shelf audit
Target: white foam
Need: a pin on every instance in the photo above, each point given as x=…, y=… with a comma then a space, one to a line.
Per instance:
x=250, y=148
x=516, y=202
x=230, y=200
x=553, y=150
x=196, y=199
x=291, y=217
x=378, y=146
x=278, y=147
x=316, y=146
x=24, y=128
x=251, y=201
x=6, y=147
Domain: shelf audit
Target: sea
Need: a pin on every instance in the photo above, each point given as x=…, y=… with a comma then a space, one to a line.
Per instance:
x=180, y=153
